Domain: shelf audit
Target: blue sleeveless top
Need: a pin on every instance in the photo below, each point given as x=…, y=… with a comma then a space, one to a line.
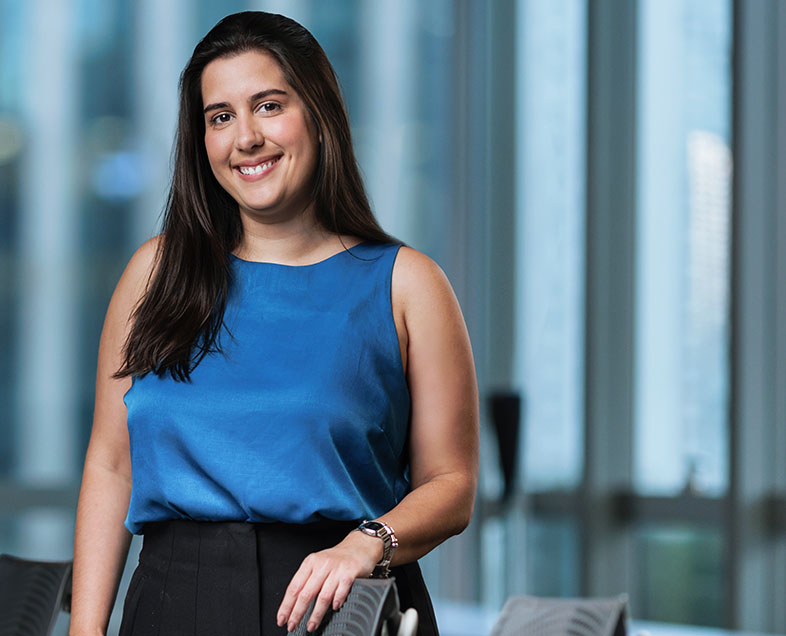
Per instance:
x=303, y=415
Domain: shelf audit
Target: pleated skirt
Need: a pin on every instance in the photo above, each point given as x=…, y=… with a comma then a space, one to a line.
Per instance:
x=199, y=578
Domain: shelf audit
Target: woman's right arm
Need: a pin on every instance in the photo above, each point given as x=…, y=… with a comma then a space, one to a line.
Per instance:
x=101, y=541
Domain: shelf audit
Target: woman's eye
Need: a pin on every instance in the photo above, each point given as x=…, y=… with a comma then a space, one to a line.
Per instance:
x=221, y=118
x=269, y=107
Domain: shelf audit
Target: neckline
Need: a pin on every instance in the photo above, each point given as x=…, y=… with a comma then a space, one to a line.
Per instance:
x=346, y=250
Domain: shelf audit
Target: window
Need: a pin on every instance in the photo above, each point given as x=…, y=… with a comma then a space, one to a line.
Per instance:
x=683, y=247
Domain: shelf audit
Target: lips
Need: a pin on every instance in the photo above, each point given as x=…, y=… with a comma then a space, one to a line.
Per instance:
x=258, y=169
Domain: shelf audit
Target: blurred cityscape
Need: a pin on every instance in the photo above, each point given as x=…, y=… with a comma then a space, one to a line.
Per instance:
x=88, y=98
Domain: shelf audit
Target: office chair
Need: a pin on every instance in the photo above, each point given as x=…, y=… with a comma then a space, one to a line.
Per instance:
x=32, y=593
x=371, y=609
x=562, y=617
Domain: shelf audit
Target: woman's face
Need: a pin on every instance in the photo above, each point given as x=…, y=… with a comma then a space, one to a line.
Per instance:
x=260, y=140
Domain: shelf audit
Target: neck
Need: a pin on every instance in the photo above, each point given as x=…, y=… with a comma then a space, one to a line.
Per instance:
x=293, y=241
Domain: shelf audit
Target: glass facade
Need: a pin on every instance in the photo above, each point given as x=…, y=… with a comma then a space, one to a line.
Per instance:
x=550, y=239
x=683, y=244
x=681, y=573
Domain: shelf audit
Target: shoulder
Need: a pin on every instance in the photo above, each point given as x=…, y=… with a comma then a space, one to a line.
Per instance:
x=418, y=280
x=142, y=263
x=141, y=266
x=135, y=280
x=423, y=300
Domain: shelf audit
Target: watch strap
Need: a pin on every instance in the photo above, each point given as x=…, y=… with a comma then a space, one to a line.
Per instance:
x=383, y=531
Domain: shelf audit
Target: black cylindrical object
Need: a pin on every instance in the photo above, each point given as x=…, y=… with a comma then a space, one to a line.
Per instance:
x=506, y=416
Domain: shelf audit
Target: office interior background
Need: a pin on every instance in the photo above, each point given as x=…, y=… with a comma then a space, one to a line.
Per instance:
x=600, y=179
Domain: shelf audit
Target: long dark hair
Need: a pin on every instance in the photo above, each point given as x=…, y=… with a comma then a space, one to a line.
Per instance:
x=178, y=320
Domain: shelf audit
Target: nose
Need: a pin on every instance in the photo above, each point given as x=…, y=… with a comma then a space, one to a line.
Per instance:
x=249, y=133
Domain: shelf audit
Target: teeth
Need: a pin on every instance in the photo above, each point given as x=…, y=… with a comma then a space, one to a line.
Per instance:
x=258, y=168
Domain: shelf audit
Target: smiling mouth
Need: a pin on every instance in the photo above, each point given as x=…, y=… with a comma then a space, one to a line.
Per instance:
x=259, y=168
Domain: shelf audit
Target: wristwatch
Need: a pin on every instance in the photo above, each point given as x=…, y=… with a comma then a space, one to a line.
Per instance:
x=381, y=530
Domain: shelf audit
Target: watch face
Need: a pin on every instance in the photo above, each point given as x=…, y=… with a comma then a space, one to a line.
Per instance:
x=373, y=525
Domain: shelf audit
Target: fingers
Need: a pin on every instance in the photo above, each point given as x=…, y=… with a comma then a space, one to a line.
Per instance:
x=311, y=581
x=333, y=593
x=342, y=591
x=327, y=583
x=292, y=594
x=323, y=602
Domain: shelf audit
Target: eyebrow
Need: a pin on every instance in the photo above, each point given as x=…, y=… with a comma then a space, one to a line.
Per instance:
x=253, y=98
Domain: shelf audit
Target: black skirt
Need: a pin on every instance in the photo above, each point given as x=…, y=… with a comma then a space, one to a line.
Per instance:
x=229, y=578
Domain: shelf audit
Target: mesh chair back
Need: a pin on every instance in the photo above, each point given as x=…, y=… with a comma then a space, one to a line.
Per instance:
x=32, y=593
x=562, y=617
x=371, y=609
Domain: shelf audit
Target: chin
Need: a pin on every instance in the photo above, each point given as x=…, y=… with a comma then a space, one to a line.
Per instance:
x=266, y=209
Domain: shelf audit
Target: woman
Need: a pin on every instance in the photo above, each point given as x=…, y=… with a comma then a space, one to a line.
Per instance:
x=295, y=371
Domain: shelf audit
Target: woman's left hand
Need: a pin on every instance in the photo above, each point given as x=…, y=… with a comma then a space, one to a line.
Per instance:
x=328, y=576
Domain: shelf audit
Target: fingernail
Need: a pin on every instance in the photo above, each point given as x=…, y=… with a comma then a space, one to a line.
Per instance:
x=291, y=627
x=280, y=620
x=310, y=627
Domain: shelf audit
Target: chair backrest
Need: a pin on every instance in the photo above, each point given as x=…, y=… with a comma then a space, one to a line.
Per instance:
x=32, y=593
x=562, y=617
x=371, y=609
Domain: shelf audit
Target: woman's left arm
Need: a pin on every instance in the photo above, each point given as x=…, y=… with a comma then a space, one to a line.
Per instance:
x=443, y=448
